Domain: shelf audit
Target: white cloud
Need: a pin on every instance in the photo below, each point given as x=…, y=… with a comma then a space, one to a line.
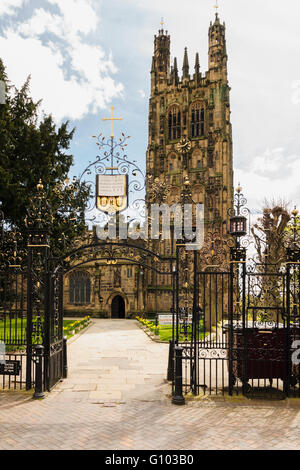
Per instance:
x=78, y=15
x=8, y=7
x=274, y=175
x=71, y=75
x=40, y=22
x=142, y=93
x=270, y=162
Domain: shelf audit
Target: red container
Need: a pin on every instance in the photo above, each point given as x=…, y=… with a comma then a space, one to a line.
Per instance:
x=264, y=353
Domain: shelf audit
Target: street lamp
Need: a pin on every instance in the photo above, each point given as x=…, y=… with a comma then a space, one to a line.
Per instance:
x=238, y=226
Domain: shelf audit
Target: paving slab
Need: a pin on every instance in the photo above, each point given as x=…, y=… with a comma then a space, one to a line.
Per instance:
x=126, y=405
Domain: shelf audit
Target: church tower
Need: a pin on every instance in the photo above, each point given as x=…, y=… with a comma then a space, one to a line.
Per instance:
x=190, y=135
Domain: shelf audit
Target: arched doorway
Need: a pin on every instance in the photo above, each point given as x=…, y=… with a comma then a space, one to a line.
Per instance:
x=118, y=307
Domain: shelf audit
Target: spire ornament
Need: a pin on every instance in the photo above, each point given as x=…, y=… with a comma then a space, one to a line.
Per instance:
x=185, y=67
x=216, y=7
x=112, y=119
x=113, y=172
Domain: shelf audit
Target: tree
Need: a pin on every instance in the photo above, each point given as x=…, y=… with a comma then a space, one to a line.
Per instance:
x=270, y=233
x=33, y=148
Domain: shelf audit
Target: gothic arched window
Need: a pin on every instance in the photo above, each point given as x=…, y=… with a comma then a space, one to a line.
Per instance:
x=197, y=120
x=80, y=288
x=174, y=123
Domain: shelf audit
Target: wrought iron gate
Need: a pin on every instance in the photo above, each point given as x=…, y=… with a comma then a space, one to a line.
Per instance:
x=53, y=341
x=246, y=330
x=44, y=309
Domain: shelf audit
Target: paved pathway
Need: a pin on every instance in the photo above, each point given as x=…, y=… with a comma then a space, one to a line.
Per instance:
x=116, y=398
x=115, y=361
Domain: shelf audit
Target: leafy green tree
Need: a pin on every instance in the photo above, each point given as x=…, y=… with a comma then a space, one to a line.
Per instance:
x=33, y=148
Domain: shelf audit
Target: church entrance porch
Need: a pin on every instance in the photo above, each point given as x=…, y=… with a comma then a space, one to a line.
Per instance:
x=118, y=307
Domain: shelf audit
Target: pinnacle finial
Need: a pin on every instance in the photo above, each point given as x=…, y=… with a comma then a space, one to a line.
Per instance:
x=185, y=67
x=40, y=185
x=197, y=68
x=216, y=7
x=175, y=64
x=175, y=71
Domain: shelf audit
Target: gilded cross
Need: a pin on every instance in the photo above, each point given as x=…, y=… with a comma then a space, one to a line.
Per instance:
x=112, y=119
x=162, y=23
x=216, y=6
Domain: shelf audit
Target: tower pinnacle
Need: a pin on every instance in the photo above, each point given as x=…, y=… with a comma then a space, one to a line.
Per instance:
x=197, y=68
x=185, y=68
x=161, y=59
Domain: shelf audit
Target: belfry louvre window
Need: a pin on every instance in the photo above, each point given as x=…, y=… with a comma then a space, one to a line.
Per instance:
x=174, y=123
x=80, y=288
x=197, y=120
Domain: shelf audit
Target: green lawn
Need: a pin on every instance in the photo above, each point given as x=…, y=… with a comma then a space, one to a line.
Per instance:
x=166, y=332
x=13, y=332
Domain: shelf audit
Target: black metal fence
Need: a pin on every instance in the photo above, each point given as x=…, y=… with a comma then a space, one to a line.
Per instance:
x=13, y=371
x=246, y=324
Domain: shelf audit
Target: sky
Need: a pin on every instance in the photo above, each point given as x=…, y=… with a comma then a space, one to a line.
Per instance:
x=86, y=55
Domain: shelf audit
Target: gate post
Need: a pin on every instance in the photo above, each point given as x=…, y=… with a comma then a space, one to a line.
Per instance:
x=65, y=359
x=170, y=373
x=29, y=320
x=37, y=223
x=237, y=257
x=230, y=326
x=177, y=294
x=38, y=392
x=287, y=344
x=178, y=398
x=195, y=329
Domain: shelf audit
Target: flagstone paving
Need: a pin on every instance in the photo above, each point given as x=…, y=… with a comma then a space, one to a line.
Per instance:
x=115, y=361
x=116, y=397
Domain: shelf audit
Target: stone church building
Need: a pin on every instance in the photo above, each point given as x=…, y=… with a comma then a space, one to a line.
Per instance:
x=190, y=139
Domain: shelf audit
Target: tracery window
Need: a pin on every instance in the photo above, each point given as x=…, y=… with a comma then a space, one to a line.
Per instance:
x=174, y=123
x=79, y=288
x=197, y=120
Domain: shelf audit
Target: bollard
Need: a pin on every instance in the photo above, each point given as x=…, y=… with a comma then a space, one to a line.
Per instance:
x=170, y=373
x=65, y=358
x=38, y=391
x=178, y=398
